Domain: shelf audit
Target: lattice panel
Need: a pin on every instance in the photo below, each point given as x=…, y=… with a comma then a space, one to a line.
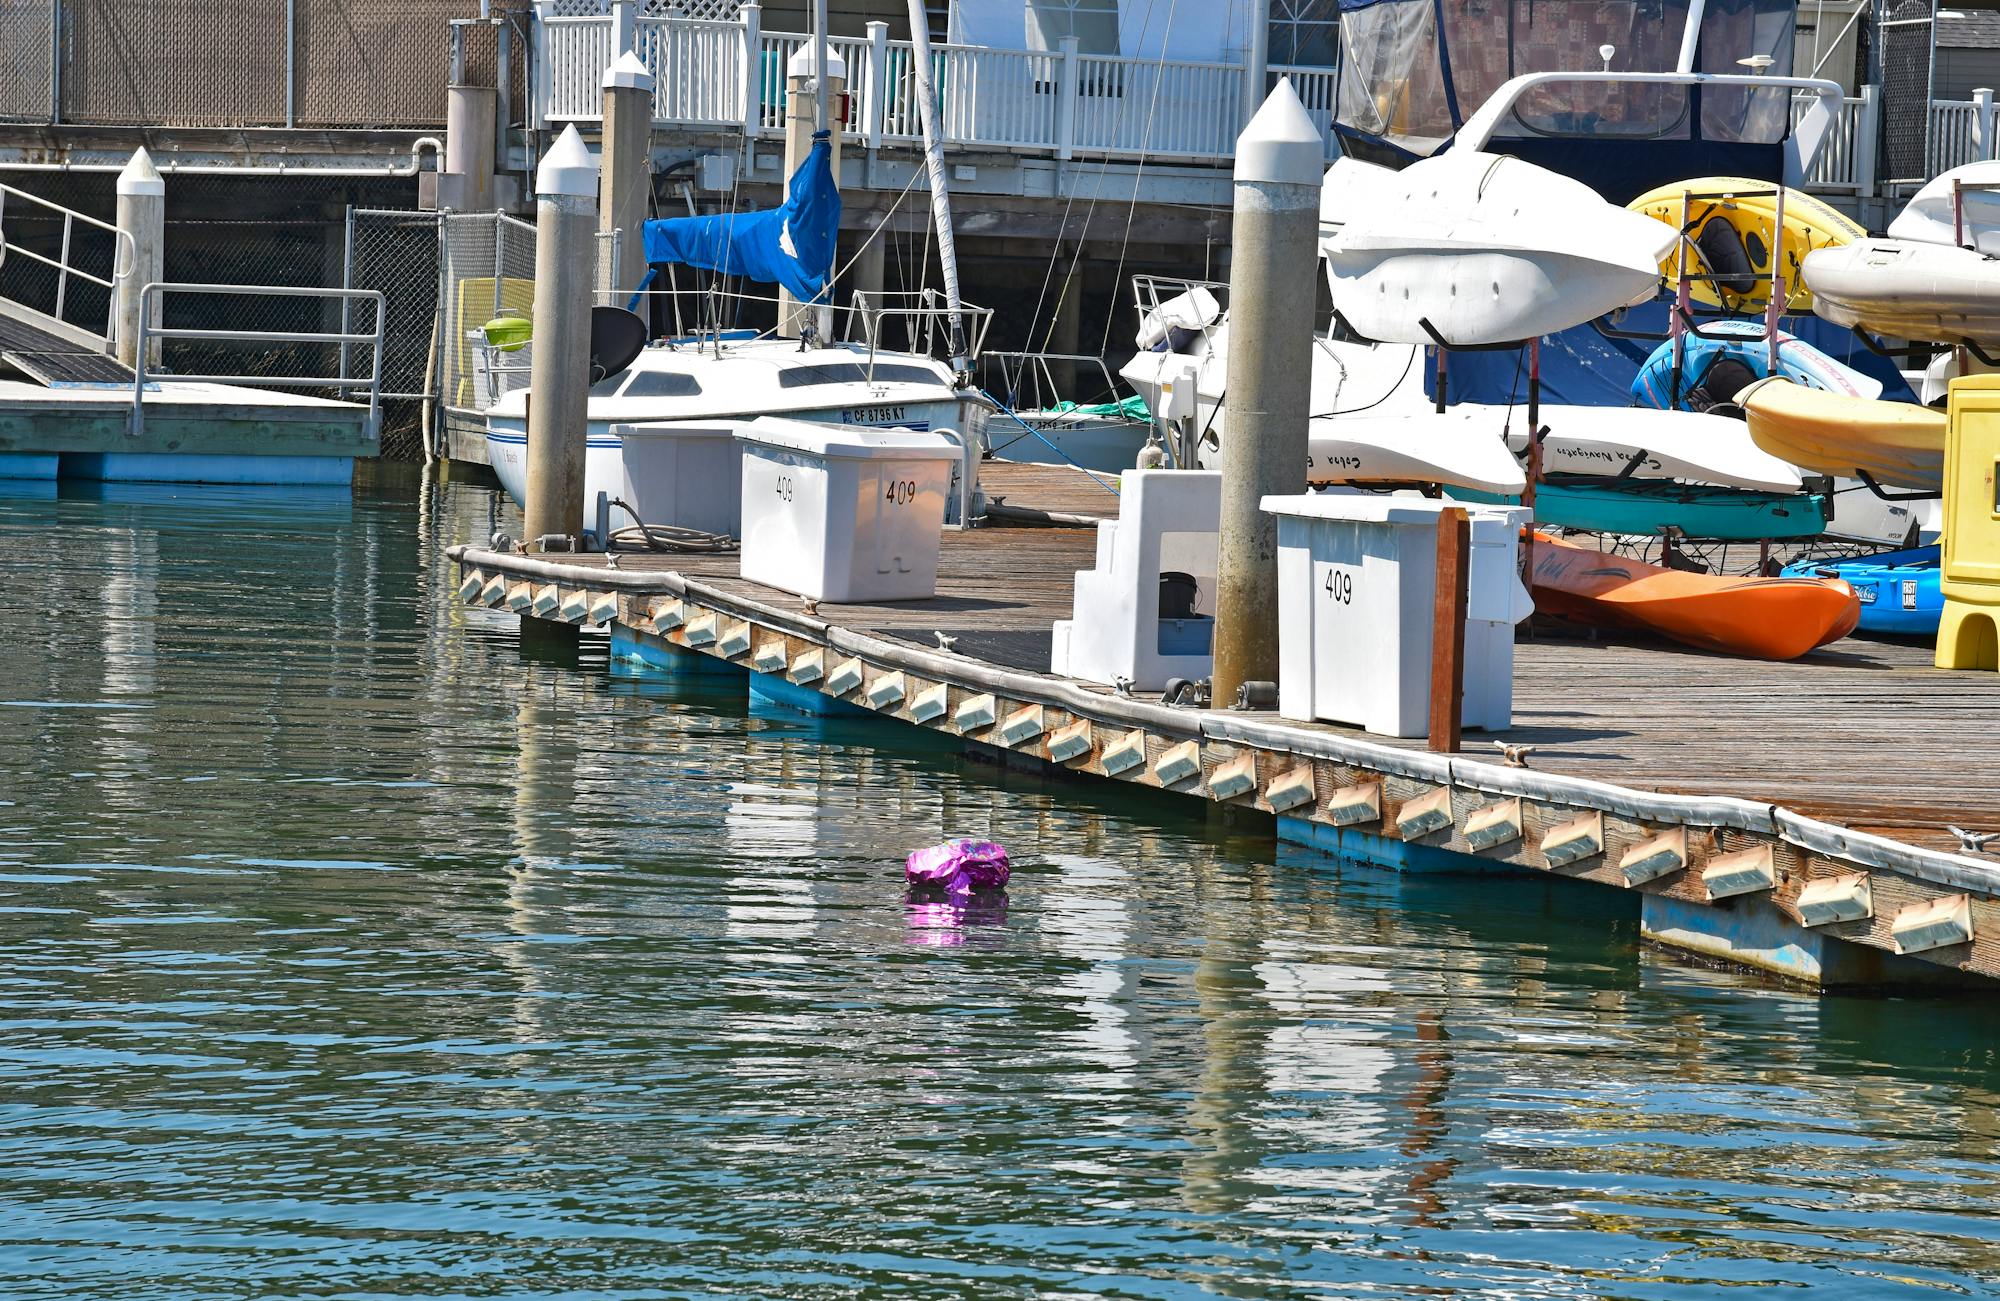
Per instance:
x=720, y=11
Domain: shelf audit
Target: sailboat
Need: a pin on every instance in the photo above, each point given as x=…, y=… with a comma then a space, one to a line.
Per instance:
x=717, y=376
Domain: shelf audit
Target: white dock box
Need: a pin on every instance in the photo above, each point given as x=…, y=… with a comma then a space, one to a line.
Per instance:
x=842, y=512
x=683, y=474
x=1357, y=575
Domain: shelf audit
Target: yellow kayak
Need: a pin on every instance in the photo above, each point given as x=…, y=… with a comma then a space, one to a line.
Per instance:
x=1898, y=444
x=1730, y=238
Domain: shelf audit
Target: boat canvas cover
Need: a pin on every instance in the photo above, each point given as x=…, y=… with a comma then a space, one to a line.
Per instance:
x=1584, y=367
x=1413, y=71
x=790, y=245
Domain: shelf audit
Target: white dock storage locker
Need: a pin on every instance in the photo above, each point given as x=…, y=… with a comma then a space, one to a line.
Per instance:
x=1356, y=579
x=683, y=473
x=843, y=512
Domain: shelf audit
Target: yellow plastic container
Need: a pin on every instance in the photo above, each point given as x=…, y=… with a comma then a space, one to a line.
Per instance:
x=1969, y=634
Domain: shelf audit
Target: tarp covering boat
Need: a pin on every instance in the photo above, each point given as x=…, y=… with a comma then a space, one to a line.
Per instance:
x=790, y=245
x=1584, y=367
x=1413, y=71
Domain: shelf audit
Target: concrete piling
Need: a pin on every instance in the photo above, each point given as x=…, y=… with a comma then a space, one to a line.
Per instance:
x=1275, y=228
x=466, y=184
x=141, y=255
x=559, y=380
x=628, y=173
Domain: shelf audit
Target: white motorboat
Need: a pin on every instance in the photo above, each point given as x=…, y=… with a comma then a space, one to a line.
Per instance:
x=1908, y=289
x=1471, y=248
x=1373, y=422
x=739, y=380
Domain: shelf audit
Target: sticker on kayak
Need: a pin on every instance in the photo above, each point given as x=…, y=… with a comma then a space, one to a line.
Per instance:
x=1865, y=592
x=1909, y=593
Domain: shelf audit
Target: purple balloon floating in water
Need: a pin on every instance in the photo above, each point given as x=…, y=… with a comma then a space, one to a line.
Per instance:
x=960, y=866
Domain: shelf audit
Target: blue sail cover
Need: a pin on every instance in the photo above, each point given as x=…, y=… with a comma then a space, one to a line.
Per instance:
x=1413, y=71
x=790, y=245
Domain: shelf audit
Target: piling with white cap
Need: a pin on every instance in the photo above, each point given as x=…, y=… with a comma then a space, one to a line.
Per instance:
x=140, y=259
x=559, y=380
x=1279, y=158
x=628, y=172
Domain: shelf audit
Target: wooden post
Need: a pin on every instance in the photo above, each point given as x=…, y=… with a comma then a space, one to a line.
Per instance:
x=1454, y=555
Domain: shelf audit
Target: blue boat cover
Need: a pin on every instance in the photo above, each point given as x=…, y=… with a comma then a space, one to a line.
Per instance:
x=1582, y=367
x=791, y=245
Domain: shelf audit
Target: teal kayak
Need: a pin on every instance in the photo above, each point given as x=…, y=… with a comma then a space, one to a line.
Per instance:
x=1642, y=508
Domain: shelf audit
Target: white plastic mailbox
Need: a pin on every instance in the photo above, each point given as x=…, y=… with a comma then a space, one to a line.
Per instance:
x=684, y=473
x=842, y=512
x=1356, y=579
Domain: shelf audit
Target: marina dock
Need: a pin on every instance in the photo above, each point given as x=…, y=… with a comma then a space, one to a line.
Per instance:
x=1716, y=790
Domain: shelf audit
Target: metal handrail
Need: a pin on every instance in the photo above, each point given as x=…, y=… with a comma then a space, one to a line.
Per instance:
x=124, y=252
x=147, y=332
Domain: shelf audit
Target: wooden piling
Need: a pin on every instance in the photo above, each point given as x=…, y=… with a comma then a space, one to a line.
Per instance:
x=1454, y=554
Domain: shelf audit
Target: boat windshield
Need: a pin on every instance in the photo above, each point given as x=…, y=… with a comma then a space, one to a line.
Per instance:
x=1412, y=71
x=663, y=384
x=854, y=372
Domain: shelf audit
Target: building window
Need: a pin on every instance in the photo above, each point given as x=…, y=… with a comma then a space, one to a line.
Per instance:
x=1094, y=23
x=1305, y=32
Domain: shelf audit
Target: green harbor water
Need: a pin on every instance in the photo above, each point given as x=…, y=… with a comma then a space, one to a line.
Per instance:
x=345, y=951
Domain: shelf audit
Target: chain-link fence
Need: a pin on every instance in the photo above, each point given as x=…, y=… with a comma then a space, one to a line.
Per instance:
x=489, y=271
x=27, y=60
x=395, y=252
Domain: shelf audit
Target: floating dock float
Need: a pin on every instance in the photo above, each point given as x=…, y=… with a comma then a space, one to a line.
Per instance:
x=1758, y=873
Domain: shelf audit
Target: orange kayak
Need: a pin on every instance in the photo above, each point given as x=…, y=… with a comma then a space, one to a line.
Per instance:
x=1763, y=618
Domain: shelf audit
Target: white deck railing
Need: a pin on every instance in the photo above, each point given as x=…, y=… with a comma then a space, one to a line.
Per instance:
x=1061, y=102
x=1065, y=103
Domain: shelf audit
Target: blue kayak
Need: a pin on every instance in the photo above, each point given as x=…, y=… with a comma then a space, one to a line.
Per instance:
x=1740, y=350
x=1898, y=589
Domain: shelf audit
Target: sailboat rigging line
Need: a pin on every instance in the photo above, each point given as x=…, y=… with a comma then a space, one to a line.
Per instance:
x=1139, y=172
x=1392, y=390
x=1076, y=258
x=1006, y=411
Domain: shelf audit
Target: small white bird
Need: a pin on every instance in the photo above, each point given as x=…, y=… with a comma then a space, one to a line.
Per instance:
x=1514, y=756
x=1974, y=842
x=945, y=643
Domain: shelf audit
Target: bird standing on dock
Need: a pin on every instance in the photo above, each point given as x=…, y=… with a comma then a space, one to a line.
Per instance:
x=1973, y=842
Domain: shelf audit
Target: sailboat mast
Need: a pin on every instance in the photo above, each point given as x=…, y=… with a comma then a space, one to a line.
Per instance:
x=920, y=45
x=820, y=87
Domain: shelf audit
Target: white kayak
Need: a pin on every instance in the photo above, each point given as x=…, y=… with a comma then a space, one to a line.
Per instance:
x=1417, y=447
x=1928, y=218
x=1684, y=445
x=1484, y=249
x=1907, y=289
